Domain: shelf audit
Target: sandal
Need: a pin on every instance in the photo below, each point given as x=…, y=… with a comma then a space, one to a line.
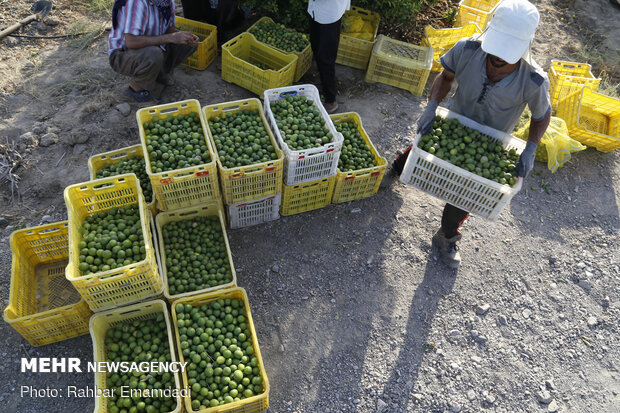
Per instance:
x=141, y=95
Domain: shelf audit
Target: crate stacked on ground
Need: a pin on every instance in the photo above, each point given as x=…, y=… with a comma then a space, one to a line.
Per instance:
x=207, y=45
x=400, y=64
x=180, y=161
x=194, y=254
x=592, y=118
x=480, y=186
x=123, y=161
x=256, y=66
x=135, y=334
x=442, y=40
x=360, y=167
x=566, y=78
x=250, y=162
x=285, y=40
x=111, y=255
x=310, y=143
x=215, y=334
x=357, y=37
x=478, y=12
x=43, y=306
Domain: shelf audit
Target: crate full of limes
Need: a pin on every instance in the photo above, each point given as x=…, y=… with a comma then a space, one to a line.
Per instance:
x=256, y=66
x=124, y=161
x=180, y=162
x=194, y=253
x=139, y=333
x=285, y=40
x=305, y=132
x=467, y=164
x=360, y=167
x=215, y=334
x=250, y=162
x=111, y=255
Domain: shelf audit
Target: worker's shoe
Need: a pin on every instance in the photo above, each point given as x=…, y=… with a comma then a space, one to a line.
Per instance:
x=331, y=107
x=446, y=248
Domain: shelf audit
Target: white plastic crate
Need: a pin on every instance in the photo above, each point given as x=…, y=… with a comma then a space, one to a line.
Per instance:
x=455, y=185
x=250, y=213
x=308, y=164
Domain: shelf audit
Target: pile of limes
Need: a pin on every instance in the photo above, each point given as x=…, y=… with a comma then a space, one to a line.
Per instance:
x=471, y=150
x=279, y=36
x=356, y=154
x=241, y=139
x=260, y=65
x=196, y=255
x=175, y=142
x=139, y=341
x=300, y=123
x=131, y=165
x=111, y=239
x=215, y=339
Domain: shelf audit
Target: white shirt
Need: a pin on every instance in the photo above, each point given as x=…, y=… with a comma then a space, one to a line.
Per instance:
x=327, y=11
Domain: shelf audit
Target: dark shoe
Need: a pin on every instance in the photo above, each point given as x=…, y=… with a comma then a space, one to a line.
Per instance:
x=447, y=249
x=166, y=79
x=399, y=163
x=331, y=107
x=141, y=95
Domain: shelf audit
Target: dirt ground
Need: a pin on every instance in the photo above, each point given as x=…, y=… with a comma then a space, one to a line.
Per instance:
x=353, y=312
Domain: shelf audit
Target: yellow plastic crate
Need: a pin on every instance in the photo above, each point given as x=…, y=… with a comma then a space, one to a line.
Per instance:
x=476, y=11
x=307, y=196
x=237, y=54
x=182, y=215
x=119, y=286
x=592, y=119
x=255, y=404
x=207, y=47
x=353, y=51
x=400, y=64
x=363, y=183
x=442, y=40
x=100, y=323
x=568, y=77
x=98, y=162
x=304, y=58
x=251, y=182
x=184, y=187
x=43, y=305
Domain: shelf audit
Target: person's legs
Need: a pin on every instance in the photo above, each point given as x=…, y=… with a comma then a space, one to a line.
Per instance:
x=174, y=55
x=196, y=9
x=446, y=237
x=452, y=219
x=142, y=65
x=324, y=40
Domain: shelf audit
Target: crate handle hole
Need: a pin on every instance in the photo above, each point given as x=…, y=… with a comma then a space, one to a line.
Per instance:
x=289, y=93
x=169, y=110
x=231, y=108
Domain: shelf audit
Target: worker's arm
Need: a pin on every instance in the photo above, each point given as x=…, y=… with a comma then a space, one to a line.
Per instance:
x=538, y=128
x=439, y=90
x=172, y=36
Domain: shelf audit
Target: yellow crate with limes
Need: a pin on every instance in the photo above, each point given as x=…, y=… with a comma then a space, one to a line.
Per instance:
x=357, y=37
x=189, y=185
x=44, y=307
x=97, y=162
x=568, y=77
x=476, y=11
x=442, y=40
x=304, y=58
x=256, y=66
x=213, y=209
x=207, y=46
x=256, y=403
x=250, y=182
x=307, y=196
x=362, y=183
x=116, y=286
x=100, y=323
x=592, y=118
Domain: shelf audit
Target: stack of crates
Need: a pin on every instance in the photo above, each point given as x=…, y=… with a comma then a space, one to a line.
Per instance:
x=355, y=51
x=252, y=193
x=442, y=40
x=309, y=174
x=566, y=78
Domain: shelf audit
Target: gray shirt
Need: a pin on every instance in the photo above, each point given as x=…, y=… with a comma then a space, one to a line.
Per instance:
x=498, y=105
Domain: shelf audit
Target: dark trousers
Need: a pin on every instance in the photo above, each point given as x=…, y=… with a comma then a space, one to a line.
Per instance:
x=150, y=64
x=452, y=219
x=324, y=40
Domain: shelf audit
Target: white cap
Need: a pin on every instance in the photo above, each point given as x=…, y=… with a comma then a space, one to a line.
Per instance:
x=511, y=31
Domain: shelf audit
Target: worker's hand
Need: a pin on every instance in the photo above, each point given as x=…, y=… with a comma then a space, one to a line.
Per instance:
x=526, y=160
x=182, y=37
x=426, y=120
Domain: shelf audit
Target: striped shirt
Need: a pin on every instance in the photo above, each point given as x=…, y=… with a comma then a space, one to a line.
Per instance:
x=140, y=18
